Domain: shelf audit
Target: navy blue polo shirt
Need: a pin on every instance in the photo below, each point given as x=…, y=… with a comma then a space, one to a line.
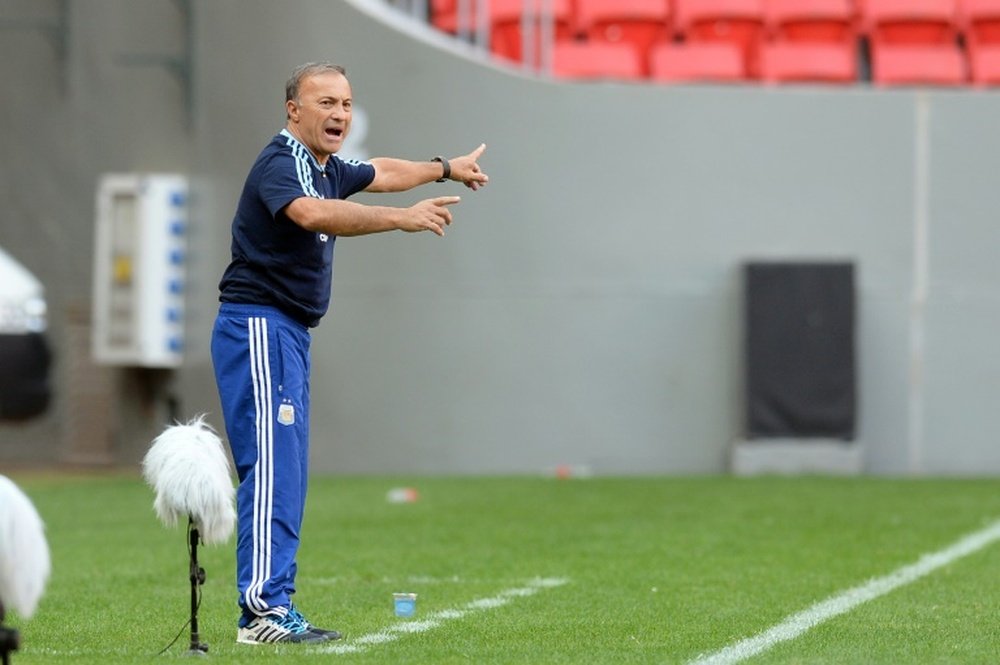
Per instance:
x=274, y=260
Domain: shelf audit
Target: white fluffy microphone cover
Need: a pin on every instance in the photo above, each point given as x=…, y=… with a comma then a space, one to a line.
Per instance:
x=24, y=554
x=190, y=473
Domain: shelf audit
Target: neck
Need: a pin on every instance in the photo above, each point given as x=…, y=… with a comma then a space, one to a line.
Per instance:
x=320, y=159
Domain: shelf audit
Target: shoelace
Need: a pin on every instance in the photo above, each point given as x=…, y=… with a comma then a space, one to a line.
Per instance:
x=294, y=622
x=294, y=613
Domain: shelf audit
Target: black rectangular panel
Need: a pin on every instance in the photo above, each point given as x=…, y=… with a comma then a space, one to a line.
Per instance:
x=800, y=355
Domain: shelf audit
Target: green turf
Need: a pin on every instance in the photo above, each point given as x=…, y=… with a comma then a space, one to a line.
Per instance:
x=657, y=570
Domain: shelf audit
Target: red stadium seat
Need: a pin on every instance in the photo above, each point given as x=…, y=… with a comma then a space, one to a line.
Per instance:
x=913, y=64
x=640, y=22
x=442, y=6
x=704, y=62
x=596, y=60
x=979, y=20
x=505, y=22
x=801, y=62
x=812, y=20
x=505, y=25
x=740, y=22
x=984, y=65
x=444, y=15
x=911, y=21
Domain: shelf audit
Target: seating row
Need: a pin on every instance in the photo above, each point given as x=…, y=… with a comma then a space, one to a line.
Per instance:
x=954, y=39
x=781, y=62
x=825, y=20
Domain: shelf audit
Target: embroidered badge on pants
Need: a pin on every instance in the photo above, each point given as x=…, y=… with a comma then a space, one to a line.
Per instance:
x=286, y=414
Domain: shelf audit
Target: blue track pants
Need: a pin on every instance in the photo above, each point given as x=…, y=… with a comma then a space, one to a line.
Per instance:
x=261, y=360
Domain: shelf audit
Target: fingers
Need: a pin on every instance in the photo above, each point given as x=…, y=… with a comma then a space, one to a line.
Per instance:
x=436, y=214
x=475, y=154
x=433, y=223
x=468, y=171
x=441, y=207
x=474, y=178
x=441, y=214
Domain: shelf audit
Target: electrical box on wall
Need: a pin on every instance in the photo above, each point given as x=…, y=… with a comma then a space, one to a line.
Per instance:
x=139, y=269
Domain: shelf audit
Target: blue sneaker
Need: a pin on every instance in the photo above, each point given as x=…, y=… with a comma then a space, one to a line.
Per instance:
x=272, y=628
x=328, y=634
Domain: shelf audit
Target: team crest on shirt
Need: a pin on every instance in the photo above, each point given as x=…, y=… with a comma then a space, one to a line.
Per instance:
x=323, y=237
x=286, y=414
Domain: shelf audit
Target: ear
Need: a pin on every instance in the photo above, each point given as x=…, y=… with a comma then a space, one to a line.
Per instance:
x=292, y=109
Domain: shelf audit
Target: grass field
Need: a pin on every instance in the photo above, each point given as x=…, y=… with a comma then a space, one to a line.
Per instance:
x=540, y=570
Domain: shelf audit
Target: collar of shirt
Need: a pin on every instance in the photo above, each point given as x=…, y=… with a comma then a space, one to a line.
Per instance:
x=312, y=158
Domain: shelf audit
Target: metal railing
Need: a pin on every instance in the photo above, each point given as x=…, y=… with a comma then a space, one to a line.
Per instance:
x=472, y=20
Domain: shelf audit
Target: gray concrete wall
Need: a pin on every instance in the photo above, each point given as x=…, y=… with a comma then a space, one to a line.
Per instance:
x=585, y=307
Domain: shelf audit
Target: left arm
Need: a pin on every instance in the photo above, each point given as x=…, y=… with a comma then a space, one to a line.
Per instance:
x=400, y=175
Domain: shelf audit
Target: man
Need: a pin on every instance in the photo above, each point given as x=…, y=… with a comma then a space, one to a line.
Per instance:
x=276, y=287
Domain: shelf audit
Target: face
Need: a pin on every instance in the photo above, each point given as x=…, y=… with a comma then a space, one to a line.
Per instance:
x=321, y=116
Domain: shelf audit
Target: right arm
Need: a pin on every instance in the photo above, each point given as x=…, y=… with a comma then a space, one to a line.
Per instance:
x=346, y=218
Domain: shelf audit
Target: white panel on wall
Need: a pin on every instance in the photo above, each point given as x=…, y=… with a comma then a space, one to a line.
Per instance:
x=139, y=270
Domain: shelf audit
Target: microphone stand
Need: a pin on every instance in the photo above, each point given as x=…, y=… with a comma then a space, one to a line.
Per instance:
x=197, y=575
x=10, y=639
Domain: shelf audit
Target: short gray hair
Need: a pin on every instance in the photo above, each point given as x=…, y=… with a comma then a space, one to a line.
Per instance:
x=303, y=72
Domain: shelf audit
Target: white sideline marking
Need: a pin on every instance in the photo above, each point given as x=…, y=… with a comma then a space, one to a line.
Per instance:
x=799, y=623
x=435, y=619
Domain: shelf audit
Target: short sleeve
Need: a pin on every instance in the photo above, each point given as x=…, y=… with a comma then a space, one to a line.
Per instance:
x=353, y=175
x=281, y=183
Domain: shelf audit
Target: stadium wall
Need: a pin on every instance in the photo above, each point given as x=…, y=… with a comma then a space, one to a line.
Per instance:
x=584, y=310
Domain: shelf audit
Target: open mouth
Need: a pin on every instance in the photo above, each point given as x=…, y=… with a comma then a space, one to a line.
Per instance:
x=334, y=132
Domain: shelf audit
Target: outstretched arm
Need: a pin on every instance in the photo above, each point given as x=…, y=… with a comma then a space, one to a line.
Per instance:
x=346, y=218
x=399, y=175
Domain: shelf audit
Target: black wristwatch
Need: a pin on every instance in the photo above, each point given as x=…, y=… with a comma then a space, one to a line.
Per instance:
x=447, y=168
